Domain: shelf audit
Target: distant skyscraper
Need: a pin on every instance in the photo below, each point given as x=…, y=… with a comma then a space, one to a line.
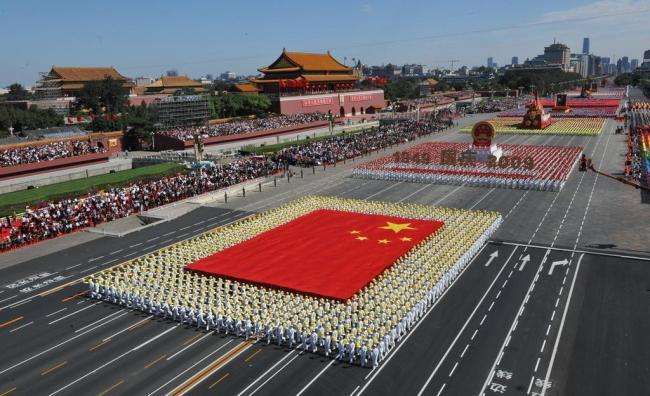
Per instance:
x=490, y=62
x=634, y=63
x=514, y=61
x=585, y=45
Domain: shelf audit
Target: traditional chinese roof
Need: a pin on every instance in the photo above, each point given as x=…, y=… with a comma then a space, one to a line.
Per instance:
x=76, y=74
x=175, y=82
x=305, y=62
x=246, y=88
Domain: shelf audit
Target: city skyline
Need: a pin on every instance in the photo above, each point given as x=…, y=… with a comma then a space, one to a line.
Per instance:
x=212, y=41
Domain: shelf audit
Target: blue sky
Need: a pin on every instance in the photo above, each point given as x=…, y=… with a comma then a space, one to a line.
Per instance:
x=200, y=37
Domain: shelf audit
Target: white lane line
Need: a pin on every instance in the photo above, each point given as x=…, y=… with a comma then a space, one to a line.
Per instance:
x=464, y=350
x=315, y=378
x=536, y=246
x=415, y=192
x=190, y=345
x=543, y=345
x=154, y=238
x=189, y=368
x=272, y=376
x=52, y=348
x=355, y=389
x=548, y=329
x=73, y=313
x=20, y=327
x=2, y=291
x=559, y=333
x=508, y=340
x=442, y=388
x=9, y=298
x=530, y=385
x=498, y=294
x=55, y=312
x=383, y=190
x=453, y=369
x=101, y=320
x=130, y=254
x=448, y=194
x=88, y=269
x=111, y=261
x=265, y=373
x=483, y=320
x=536, y=365
x=169, y=233
x=474, y=335
x=136, y=244
x=127, y=328
x=512, y=329
x=186, y=227
x=553, y=315
x=72, y=266
x=95, y=259
x=482, y=198
x=116, y=252
x=435, y=370
x=113, y=360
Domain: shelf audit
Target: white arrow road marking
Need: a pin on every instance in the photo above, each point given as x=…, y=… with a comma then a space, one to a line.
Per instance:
x=524, y=261
x=494, y=255
x=561, y=262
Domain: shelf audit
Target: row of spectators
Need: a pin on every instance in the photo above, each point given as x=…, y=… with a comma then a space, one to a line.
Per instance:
x=244, y=126
x=67, y=215
x=494, y=105
x=47, y=152
x=339, y=148
x=64, y=216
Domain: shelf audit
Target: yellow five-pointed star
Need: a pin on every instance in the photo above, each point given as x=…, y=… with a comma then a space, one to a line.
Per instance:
x=354, y=232
x=383, y=241
x=397, y=227
x=405, y=239
x=361, y=238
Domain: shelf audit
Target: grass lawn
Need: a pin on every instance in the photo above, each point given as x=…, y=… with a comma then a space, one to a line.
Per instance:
x=15, y=202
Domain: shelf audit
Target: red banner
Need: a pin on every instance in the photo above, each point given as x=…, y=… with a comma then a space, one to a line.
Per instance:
x=325, y=253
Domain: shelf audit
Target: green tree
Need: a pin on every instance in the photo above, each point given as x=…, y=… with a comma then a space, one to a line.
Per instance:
x=404, y=88
x=17, y=92
x=23, y=120
x=103, y=96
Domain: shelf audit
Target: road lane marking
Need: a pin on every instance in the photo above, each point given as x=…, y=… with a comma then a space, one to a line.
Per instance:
x=253, y=355
x=215, y=366
x=189, y=368
x=9, y=322
x=190, y=345
x=98, y=345
x=52, y=348
x=266, y=372
x=559, y=332
x=113, y=360
x=95, y=259
x=442, y=388
x=127, y=328
x=9, y=298
x=315, y=378
x=57, y=366
x=55, y=312
x=223, y=377
x=105, y=392
x=453, y=369
x=116, y=252
x=74, y=296
x=20, y=327
x=5, y=393
x=120, y=313
x=460, y=332
x=73, y=313
x=72, y=266
x=159, y=358
x=464, y=350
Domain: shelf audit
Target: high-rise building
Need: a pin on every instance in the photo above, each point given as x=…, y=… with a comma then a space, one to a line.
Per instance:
x=605, y=61
x=646, y=61
x=558, y=54
x=490, y=62
x=514, y=61
x=634, y=63
x=585, y=45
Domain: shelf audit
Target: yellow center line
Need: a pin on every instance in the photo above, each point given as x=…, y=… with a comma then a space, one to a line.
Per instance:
x=118, y=383
x=56, y=289
x=14, y=320
x=219, y=380
x=74, y=296
x=190, y=383
x=54, y=368
x=5, y=393
x=98, y=345
x=254, y=353
x=191, y=339
x=140, y=323
x=155, y=361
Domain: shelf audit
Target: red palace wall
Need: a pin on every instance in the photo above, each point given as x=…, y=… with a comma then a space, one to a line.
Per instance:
x=358, y=101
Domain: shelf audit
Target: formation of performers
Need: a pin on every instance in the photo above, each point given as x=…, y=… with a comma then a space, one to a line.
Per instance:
x=361, y=330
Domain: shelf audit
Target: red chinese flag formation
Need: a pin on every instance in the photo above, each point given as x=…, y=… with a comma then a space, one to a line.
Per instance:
x=325, y=253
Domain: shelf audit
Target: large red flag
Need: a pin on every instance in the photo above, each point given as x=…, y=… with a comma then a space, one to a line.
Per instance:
x=324, y=253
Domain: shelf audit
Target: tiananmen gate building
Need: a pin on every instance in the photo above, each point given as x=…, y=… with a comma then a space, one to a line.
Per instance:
x=300, y=82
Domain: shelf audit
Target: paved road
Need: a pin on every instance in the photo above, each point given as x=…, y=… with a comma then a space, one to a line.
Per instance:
x=550, y=311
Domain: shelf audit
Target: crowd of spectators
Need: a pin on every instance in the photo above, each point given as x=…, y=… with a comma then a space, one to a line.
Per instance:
x=494, y=105
x=46, y=152
x=341, y=147
x=244, y=126
x=67, y=215
x=637, y=159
